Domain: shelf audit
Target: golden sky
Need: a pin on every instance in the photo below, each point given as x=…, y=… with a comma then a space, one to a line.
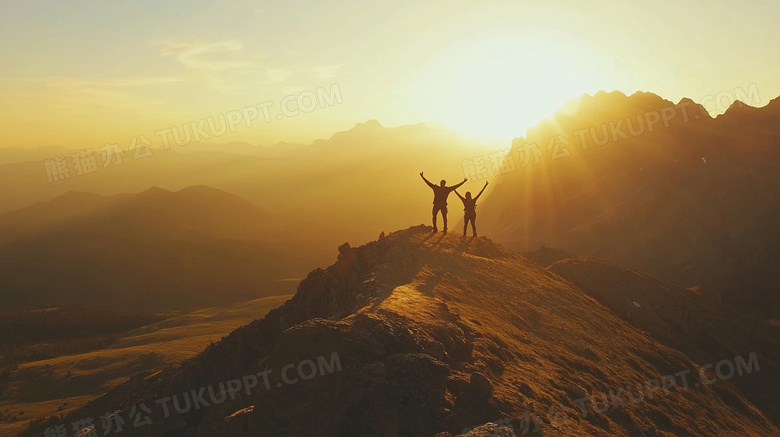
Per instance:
x=86, y=73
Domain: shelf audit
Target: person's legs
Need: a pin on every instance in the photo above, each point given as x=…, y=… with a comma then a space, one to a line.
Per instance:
x=435, y=213
x=444, y=217
x=474, y=224
x=466, y=220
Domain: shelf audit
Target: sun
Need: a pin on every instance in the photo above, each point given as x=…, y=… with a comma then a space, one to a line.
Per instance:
x=498, y=85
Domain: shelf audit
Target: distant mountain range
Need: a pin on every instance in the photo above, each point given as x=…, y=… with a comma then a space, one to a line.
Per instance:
x=656, y=186
x=154, y=249
x=347, y=187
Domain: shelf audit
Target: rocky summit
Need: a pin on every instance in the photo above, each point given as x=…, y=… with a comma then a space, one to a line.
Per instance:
x=430, y=334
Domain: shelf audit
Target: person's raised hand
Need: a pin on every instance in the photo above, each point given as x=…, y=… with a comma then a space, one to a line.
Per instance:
x=421, y=173
x=486, y=183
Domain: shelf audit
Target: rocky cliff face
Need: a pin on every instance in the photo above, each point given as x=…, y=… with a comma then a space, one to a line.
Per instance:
x=681, y=196
x=421, y=334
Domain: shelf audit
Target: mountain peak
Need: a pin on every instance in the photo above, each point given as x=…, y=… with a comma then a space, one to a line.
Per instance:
x=689, y=105
x=369, y=127
x=441, y=332
x=154, y=191
x=201, y=189
x=612, y=101
x=738, y=106
x=371, y=124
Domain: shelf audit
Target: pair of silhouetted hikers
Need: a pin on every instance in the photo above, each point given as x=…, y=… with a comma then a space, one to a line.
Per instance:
x=440, y=194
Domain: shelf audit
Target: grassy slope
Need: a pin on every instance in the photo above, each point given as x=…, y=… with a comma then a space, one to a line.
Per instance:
x=43, y=388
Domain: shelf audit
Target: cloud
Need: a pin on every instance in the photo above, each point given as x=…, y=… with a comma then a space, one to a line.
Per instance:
x=209, y=57
x=225, y=65
x=324, y=72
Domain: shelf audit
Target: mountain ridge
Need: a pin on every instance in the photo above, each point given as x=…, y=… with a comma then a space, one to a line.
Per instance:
x=698, y=196
x=437, y=334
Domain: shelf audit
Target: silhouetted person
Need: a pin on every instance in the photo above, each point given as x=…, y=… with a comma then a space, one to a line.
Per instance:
x=440, y=194
x=470, y=210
